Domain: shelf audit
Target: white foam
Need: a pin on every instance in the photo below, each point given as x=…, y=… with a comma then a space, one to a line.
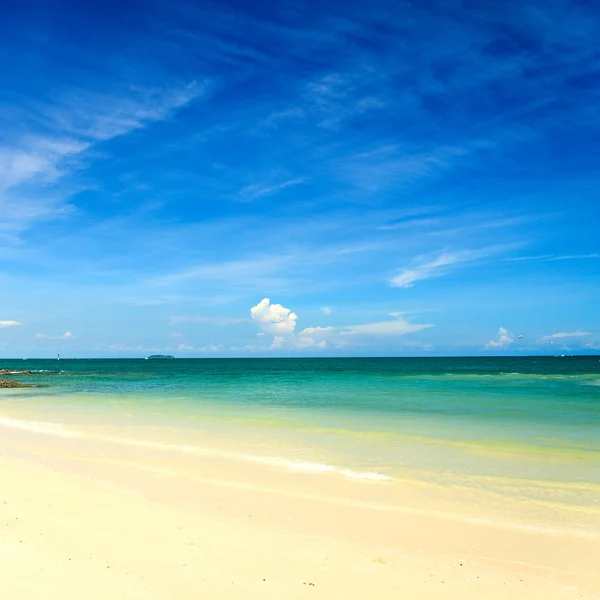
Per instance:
x=40, y=427
x=58, y=429
x=317, y=468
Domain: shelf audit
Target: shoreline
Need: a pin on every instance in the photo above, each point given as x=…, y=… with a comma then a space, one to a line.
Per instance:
x=550, y=505
x=294, y=515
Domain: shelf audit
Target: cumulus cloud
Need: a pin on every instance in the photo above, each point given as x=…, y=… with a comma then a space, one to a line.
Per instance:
x=277, y=343
x=274, y=318
x=280, y=322
x=504, y=339
x=67, y=335
x=315, y=330
x=326, y=310
x=9, y=324
x=314, y=337
x=211, y=348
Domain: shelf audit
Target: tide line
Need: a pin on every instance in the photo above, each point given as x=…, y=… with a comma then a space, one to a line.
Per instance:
x=58, y=429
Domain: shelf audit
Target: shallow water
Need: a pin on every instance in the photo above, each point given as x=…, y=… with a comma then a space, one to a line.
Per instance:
x=523, y=428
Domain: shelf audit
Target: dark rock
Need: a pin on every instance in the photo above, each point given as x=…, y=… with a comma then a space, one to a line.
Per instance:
x=4, y=383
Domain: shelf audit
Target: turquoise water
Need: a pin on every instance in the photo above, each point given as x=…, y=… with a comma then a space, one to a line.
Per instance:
x=512, y=425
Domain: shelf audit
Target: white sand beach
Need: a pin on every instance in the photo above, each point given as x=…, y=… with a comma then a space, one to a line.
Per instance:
x=90, y=519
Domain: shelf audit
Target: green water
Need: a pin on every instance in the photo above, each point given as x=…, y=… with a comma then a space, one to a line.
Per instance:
x=528, y=426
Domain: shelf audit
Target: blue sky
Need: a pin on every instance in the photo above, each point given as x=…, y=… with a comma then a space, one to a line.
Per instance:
x=299, y=178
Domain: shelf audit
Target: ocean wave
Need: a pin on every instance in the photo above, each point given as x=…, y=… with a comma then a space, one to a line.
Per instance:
x=23, y=371
x=58, y=429
x=497, y=376
x=317, y=468
x=40, y=427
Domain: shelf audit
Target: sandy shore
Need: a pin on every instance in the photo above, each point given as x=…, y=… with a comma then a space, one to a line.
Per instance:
x=89, y=519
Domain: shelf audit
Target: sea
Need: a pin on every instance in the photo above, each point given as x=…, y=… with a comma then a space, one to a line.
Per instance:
x=523, y=429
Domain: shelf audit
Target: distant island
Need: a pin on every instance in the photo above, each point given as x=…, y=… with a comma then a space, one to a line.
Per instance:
x=160, y=357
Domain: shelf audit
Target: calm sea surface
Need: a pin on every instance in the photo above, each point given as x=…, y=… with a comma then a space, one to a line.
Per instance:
x=528, y=427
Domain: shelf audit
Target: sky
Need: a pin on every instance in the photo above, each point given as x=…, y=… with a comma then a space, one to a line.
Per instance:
x=299, y=178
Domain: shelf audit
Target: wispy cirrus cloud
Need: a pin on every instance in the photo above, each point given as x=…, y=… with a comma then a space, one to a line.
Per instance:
x=551, y=257
x=396, y=326
x=397, y=167
x=565, y=334
x=97, y=116
x=427, y=267
x=258, y=190
x=36, y=158
x=68, y=127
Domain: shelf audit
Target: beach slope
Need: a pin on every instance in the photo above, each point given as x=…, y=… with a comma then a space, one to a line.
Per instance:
x=72, y=527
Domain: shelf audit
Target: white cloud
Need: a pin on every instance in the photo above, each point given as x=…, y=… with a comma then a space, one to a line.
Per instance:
x=65, y=336
x=426, y=267
x=438, y=266
x=394, y=165
x=80, y=121
x=36, y=158
x=504, y=339
x=210, y=348
x=397, y=326
x=181, y=347
x=551, y=257
x=315, y=330
x=273, y=318
x=326, y=310
x=277, y=343
x=314, y=337
x=253, y=192
x=281, y=323
x=565, y=334
x=99, y=116
x=9, y=324
x=73, y=124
